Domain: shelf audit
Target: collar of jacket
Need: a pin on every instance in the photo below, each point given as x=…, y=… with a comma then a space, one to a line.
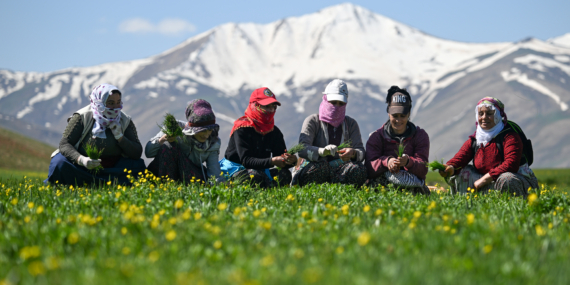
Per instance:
x=407, y=135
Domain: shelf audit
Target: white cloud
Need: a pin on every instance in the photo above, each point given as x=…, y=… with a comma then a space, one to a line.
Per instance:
x=168, y=26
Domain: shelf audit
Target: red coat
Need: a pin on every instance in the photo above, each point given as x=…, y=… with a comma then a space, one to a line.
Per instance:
x=488, y=159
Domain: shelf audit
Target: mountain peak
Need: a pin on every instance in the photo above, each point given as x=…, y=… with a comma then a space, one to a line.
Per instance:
x=563, y=40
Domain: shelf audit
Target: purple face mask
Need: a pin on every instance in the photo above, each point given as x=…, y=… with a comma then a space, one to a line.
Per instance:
x=330, y=113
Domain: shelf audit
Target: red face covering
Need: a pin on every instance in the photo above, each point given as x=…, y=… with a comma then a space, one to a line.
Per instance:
x=257, y=118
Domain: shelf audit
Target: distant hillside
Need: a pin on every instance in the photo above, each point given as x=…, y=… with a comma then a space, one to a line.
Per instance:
x=18, y=152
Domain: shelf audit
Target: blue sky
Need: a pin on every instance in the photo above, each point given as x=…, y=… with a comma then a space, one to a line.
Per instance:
x=51, y=35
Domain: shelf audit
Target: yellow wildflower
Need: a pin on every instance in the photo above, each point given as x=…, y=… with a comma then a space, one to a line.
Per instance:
x=363, y=238
x=171, y=235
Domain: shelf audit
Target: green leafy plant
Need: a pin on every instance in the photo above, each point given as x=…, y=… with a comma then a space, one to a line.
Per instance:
x=296, y=148
x=436, y=165
x=170, y=127
x=400, y=150
x=345, y=144
x=94, y=153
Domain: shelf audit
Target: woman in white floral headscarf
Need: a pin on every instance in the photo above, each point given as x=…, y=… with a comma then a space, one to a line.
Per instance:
x=104, y=125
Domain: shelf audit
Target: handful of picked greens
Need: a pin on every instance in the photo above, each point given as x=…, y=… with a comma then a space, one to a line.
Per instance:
x=400, y=150
x=294, y=150
x=93, y=153
x=436, y=166
x=170, y=127
x=345, y=144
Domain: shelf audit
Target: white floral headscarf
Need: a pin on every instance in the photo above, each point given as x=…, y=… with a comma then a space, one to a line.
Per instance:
x=104, y=117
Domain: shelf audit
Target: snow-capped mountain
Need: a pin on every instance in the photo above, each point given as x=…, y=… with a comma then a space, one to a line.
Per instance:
x=296, y=57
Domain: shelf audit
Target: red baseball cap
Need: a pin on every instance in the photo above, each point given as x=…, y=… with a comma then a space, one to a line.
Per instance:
x=263, y=96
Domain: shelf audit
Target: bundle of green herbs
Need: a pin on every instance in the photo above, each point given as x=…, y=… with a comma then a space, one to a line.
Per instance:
x=170, y=127
x=93, y=153
x=400, y=150
x=436, y=165
x=345, y=144
x=296, y=148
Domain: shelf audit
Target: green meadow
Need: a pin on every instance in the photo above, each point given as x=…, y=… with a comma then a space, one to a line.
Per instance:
x=162, y=232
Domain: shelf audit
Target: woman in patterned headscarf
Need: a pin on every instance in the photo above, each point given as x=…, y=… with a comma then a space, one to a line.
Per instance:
x=256, y=144
x=322, y=134
x=104, y=125
x=505, y=170
x=182, y=158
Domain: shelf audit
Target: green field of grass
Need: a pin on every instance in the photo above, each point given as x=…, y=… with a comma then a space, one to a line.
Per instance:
x=18, y=152
x=167, y=233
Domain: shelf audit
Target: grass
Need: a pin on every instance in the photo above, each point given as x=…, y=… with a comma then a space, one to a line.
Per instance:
x=22, y=153
x=163, y=232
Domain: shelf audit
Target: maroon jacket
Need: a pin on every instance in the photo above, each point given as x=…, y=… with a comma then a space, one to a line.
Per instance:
x=380, y=148
x=488, y=159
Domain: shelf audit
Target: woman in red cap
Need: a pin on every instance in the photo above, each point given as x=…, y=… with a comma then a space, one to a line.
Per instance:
x=256, y=144
x=384, y=163
x=506, y=170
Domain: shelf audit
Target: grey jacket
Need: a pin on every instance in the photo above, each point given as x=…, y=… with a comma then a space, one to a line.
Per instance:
x=196, y=156
x=314, y=135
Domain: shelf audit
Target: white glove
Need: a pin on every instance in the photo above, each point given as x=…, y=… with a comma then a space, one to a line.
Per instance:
x=88, y=162
x=330, y=149
x=117, y=130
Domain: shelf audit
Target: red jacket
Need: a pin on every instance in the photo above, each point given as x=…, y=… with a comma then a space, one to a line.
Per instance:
x=380, y=148
x=488, y=159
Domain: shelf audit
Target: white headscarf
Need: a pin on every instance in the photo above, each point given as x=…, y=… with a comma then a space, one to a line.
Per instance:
x=485, y=136
x=104, y=117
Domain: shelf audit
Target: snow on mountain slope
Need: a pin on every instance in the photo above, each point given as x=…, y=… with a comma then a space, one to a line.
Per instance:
x=341, y=41
x=563, y=40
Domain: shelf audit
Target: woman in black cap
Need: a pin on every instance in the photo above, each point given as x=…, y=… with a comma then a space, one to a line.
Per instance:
x=384, y=162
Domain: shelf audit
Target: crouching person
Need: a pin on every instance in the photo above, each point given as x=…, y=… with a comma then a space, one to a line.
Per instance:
x=496, y=149
x=182, y=159
x=256, y=144
x=383, y=162
x=102, y=125
x=321, y=136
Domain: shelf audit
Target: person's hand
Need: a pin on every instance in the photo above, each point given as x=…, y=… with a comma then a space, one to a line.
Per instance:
x=117, y=130
x=330, y=149
x=449, y=170
x=290, y=159
x=394, y=165
x=88, y=162
x=165, y=138
x=486, y=179
x=278, y=161
x=404, y=160
x=347, y=153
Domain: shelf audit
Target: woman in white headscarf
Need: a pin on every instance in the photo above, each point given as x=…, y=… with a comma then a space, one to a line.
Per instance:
x=104, y=125
x=498, y=154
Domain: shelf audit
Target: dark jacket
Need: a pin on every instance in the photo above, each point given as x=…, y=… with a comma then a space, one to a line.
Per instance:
x=381, y=147
x=253, y=150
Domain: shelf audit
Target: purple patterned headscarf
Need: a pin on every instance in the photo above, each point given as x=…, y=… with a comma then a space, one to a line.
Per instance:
x=103, y=116
x=330, y=113
x=200, y=117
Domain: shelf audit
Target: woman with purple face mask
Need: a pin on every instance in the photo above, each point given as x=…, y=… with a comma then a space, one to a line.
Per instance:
x=322, y=134
x=104, y=125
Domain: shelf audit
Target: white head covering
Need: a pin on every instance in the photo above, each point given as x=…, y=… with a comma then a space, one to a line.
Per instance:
x=104, y=117
x=485, y=136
